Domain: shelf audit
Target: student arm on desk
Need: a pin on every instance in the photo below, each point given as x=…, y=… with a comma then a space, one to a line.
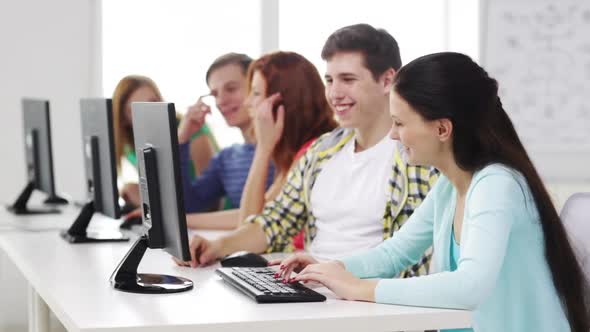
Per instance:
x=482, y=253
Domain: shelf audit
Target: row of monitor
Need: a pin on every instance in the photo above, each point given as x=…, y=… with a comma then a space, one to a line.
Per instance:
x=156, y=143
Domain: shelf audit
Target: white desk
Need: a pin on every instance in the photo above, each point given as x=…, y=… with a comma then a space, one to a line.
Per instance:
x=73, y=282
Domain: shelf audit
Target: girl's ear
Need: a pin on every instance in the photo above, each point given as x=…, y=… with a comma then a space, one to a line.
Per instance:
x=444, y=129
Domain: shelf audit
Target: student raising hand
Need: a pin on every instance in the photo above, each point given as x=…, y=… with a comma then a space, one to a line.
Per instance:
x=193, y=121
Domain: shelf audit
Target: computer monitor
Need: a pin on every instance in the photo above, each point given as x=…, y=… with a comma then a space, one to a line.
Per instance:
x=162, y=204
x=100, y=173
x=39, y=159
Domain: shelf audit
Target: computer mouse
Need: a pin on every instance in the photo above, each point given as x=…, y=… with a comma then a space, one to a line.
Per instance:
x=244, y=259
x=129, y=222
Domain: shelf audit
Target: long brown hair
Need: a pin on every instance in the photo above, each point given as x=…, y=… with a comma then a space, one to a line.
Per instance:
x=307, y=112
x=124, y=133
x=452, y=86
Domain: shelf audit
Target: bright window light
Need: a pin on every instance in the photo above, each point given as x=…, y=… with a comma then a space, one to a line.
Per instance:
x=416, y=25
x=173, y=42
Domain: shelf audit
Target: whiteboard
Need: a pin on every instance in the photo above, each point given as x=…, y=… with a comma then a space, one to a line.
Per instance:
x=539, y=51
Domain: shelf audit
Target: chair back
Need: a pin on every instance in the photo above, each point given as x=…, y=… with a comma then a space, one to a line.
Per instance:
x=575, y=217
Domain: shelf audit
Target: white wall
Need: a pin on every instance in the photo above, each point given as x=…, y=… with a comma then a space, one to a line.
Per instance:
x=48, y=49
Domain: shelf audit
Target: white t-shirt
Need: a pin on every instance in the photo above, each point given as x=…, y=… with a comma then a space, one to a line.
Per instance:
x=348, y=200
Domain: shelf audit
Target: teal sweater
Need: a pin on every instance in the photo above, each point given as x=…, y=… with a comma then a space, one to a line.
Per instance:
x=502, y=274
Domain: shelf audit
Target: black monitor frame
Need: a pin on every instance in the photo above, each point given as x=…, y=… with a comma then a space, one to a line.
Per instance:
x=156, y=144
x=38, y=158
x=100, y=170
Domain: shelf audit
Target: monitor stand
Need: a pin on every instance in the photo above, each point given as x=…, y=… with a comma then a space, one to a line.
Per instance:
x=55, y=199
x=19, y=207
x=125, y=277
x=77, y=233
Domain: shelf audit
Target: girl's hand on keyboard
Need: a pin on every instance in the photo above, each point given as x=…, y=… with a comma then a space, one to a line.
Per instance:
x=335, y=277
x=295, y=263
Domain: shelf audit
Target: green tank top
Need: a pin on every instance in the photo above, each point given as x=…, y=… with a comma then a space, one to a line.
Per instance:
x=132, y=158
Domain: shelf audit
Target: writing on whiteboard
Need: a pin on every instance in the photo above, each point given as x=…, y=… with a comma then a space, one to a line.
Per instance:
x=540, y=54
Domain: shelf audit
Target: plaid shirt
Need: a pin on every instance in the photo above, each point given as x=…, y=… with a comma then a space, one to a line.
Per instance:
x=284, y=217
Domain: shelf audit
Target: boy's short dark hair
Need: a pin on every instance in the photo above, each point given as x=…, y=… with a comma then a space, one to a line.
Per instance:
x=230, y=58
x=378, y=47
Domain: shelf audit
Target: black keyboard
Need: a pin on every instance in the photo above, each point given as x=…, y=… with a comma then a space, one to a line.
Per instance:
x=260, y=284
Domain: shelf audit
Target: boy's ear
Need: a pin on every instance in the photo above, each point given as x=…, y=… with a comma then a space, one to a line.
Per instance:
x=387, y=79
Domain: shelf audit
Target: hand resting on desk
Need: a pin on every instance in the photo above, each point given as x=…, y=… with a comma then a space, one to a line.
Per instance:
x=203, y=252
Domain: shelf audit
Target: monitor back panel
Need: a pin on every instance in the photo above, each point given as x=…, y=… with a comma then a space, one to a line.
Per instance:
x=154, y=125
x=97, y=120
x=36, y=117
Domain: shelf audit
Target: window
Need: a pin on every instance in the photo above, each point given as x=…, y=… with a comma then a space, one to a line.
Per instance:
x=420, y=27
x=173, y=42
x=306, y=24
